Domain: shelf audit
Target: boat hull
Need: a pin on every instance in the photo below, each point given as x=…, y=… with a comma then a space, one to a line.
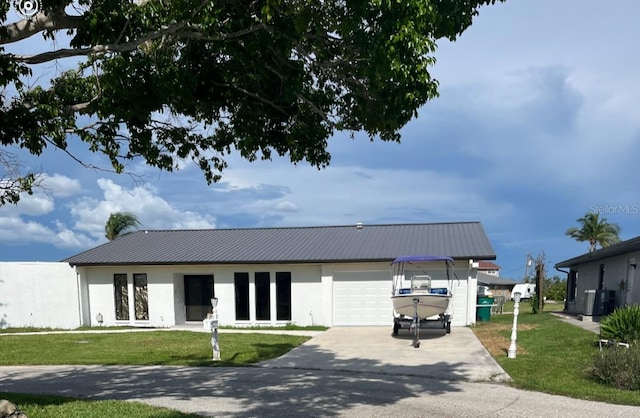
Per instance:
x=428, y=304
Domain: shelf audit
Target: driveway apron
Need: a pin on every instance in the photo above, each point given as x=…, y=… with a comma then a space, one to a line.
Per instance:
x=455, y=356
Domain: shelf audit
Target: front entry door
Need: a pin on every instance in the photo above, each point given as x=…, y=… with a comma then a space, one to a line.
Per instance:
x=198, y=291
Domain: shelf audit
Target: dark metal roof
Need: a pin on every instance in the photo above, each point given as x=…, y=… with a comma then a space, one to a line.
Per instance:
x=353, y=243
x=623, y=247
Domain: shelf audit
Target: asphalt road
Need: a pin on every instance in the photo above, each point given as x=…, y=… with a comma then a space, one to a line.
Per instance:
x=278, y=392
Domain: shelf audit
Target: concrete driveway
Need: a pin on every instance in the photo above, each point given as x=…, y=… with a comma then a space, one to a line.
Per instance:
x=455, y=356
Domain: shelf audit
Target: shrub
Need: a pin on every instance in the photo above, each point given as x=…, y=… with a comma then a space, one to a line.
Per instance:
x=534, y=303
x=623, y=324
x=618, y=367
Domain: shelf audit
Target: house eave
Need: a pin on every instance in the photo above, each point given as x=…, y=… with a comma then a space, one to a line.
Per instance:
x=611, y=251
x=256, y=262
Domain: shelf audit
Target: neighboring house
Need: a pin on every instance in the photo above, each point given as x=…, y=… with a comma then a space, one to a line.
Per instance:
x=498, y=286
x=332, y=276
x=599, y=281
x=488, y=267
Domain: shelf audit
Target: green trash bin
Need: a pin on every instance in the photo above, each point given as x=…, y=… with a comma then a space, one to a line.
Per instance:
x=483, y=309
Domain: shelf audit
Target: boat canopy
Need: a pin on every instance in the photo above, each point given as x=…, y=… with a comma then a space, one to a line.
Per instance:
x=420, y=258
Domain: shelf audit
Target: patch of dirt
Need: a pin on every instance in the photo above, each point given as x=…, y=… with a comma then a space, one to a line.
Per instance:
x=491, y=336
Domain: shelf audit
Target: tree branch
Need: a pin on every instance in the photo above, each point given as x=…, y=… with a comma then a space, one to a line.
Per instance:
x=26, y=28
x=175, y=29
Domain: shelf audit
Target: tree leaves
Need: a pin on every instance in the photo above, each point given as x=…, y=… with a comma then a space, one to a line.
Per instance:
x=165, y=81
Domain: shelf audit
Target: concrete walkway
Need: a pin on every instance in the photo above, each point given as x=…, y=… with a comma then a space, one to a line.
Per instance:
x=584, y=323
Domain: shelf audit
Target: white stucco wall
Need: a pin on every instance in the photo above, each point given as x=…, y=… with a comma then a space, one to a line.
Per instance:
x=53, y=295
x=39, y=295
x=166, y=293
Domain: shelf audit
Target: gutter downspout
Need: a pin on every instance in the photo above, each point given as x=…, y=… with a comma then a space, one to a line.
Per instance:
x=79, y=290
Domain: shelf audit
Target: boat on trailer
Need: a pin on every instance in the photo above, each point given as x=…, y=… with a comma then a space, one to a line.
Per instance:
x=422, y=293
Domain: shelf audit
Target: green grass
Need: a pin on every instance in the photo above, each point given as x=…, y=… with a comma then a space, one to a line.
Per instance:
x=182, y=348
x=288, y=327
x=525, y=306
x=34, y=329
x=552, y=357
x=46, y=406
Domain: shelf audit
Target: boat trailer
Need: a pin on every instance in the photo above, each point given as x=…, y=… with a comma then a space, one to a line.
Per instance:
x=415, y=324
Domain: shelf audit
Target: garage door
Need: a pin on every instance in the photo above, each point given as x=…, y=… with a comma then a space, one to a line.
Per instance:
x=362, y=298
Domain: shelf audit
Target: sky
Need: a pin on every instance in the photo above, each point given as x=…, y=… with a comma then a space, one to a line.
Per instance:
x=537, y=124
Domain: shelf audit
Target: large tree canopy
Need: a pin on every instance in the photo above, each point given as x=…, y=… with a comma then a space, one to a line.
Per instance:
x=166, y=80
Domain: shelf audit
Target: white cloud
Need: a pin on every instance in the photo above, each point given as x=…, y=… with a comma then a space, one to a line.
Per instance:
x=37, y=204
x=61, y=186
x=153, y=212
x=16, y=230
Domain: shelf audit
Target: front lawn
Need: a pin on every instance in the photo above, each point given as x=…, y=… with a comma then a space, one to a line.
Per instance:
x=179, y=348
x=49, y=406
x=552, y=356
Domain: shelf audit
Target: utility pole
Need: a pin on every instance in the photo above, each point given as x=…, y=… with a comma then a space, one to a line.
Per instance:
x=526, y=268
x=540, y=280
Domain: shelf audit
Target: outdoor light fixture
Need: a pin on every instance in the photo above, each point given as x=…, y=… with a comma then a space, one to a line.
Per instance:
x=511, y=353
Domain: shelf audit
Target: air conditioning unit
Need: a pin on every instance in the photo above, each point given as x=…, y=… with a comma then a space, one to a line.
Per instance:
x=607, y=301
x=599, y=302
x=591, y=302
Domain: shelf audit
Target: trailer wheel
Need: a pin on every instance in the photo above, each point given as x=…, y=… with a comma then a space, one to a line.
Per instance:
x=396, y=327
x=448, y=327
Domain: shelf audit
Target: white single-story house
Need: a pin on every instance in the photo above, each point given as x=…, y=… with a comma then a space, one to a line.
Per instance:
x=600, y=281
x=331, y=276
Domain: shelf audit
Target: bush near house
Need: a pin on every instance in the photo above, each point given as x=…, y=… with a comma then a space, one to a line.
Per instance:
x=619, y=366
x=622, y=325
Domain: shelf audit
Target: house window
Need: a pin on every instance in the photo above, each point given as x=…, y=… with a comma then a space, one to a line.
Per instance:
x=141, y=296
x=263, y=296
x=572, y=285
x=121, y=295
x=241, y=281
x=283, y=296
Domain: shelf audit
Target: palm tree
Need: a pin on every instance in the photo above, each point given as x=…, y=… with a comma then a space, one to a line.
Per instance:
x=596, y=230
x=120, y=223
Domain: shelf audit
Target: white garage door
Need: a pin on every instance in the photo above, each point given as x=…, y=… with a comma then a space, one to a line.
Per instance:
x=362, y=298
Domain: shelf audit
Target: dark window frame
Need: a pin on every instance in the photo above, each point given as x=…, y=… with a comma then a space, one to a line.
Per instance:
x=262, y=284
x=283, y=296
x=121, y=296
x=572, y=284
x=241, y=292
x=141, y=296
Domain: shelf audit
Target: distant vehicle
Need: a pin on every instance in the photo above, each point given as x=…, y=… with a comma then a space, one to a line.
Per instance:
x=484, y=291
x=527, y=290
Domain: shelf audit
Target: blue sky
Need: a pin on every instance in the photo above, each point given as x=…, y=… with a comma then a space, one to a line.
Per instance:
x=537, y=123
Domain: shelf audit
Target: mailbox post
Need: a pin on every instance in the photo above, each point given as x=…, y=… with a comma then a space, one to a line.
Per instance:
x=211, y=322
x=511, y=352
